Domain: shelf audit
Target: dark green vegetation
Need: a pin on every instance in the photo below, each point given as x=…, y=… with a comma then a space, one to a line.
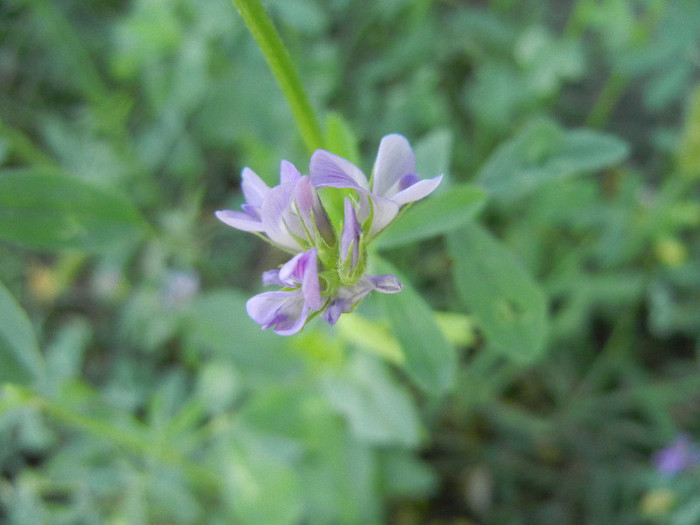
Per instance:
x=547, y=342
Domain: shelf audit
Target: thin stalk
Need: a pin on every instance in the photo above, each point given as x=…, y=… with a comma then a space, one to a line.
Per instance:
x=280, y=62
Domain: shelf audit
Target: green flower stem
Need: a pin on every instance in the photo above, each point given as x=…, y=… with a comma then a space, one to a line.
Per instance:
x=277, y=56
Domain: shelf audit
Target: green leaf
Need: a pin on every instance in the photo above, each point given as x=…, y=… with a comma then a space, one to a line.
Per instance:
x=543, y=152
x=340, y=138
x=507, y=303
x=265, y=489
x=433, y=154
x=436, y=215
x=20, y=358
x=219, y=323
x=430, y=360
x=47, y=210
x=377, y=409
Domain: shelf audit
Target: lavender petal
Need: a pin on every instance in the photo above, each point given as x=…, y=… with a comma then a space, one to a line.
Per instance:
x=287, y=311
x=329, y=170
x=302, y=270
x=279, y=218
x=272, y=277
x=240, y=220
x=394, y=159
x=386, y=283
x=385, y=211
x=350, y=237
x=254, y=189
x=288, y=172
x=417, y=191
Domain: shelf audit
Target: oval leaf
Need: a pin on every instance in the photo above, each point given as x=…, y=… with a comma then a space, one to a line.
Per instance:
x=48, y=210
x=218, y=322
x=20, y=358
x=437, y=215
x=543, y=152
x=430, y=360
x=509, y=306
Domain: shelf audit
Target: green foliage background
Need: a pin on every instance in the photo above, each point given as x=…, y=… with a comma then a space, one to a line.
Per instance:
x=547, y=341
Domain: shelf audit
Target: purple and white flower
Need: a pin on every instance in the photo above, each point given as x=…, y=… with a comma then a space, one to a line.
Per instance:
x=288, y=309
x=254, y=191
x=326, y=274
x=394, y=181
x=290, y=214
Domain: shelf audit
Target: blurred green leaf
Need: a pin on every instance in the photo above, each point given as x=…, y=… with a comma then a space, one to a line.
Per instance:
x=47, y=210
x=430, y=360
x=218, y=322
x=436, y=215
x=508, y=304
x=65, y=354
x=340, y=138
x=20, y=358
x=377, y=409
x=544, y=152
x=264, y=489
x=405, y=475
x=433, y=155
x=369, y=335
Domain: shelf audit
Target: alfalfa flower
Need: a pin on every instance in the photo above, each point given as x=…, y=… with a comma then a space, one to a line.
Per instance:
x=288, y=309
x=290, y=214
x=327, y=274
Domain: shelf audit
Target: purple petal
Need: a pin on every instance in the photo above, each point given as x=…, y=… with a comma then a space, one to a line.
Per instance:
x=254, y=189
x=286, y=311
x=387, y=283
x=407, y=181
x=385, y=211
x=350, y=237
x=240, y=220
x=251, y=211
x=417, y=191
x=288, y=173
x=329, y=170
x=311, y=211
x=272, y=277
x=279, y=219
x=302, y=270
x=394, y=159
x=347, y=297
x=334, y=310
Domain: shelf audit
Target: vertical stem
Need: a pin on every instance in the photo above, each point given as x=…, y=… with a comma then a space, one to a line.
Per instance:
x=277, y=57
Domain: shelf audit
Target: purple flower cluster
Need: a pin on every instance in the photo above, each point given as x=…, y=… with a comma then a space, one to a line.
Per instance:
x=326, y=274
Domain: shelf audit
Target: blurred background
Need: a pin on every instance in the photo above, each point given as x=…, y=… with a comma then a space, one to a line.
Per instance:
x=137, y=390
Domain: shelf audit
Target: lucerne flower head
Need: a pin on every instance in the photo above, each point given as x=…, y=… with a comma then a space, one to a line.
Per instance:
x=327, y=273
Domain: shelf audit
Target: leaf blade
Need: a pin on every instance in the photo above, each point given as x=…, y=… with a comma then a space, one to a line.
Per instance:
x=509, y=306
x=20, y=358
x=48, y=210
x=439, y=214
x=430, y=360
